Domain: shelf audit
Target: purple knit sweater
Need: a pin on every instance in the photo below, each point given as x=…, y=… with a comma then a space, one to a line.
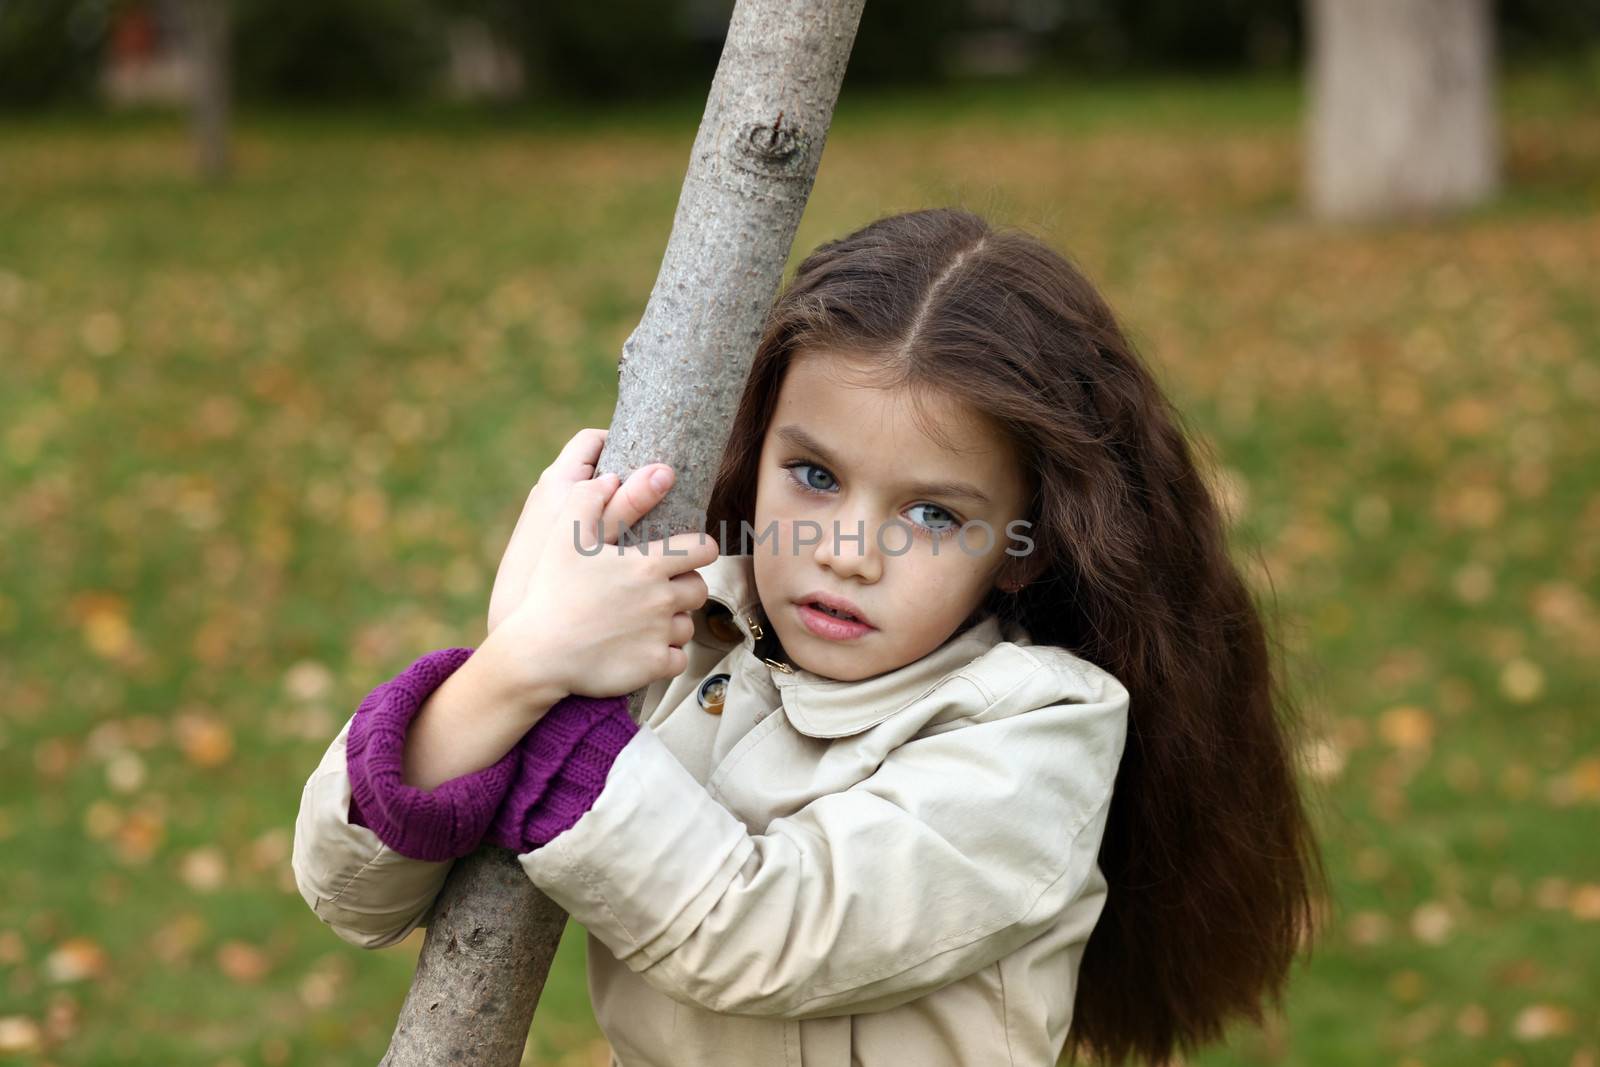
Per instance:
x=541, y=787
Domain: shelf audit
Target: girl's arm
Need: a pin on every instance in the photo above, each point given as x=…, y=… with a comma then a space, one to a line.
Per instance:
x=371, y=852
x=471, y=716
x=374, y=818
x=432, y=752
x=533, y=791
x=448, y=820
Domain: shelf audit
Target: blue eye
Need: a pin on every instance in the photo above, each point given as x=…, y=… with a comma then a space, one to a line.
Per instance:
x=943, y=527
x=805, y=481
x=953, y=523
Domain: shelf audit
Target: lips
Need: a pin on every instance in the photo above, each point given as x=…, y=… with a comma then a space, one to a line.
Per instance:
x=837, y=606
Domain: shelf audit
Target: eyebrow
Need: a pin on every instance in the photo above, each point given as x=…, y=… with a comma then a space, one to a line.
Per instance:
x=798, y=437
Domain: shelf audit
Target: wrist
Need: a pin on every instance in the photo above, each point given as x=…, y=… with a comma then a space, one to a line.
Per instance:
x=517, y=669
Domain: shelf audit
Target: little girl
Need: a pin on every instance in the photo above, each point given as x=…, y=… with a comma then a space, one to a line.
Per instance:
x=971, y=752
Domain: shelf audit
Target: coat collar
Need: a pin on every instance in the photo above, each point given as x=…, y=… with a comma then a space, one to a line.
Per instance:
x=825, y=707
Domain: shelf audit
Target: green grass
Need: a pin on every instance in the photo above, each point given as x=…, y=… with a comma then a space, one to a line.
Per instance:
x=291, y=421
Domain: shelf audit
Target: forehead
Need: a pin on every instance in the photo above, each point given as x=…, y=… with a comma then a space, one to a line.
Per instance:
x=916, y=433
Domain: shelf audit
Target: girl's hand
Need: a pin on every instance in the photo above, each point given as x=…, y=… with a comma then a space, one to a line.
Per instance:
x=604, y=621
x=575, y=463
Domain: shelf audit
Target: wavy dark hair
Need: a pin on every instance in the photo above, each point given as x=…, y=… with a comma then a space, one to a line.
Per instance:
x=1214, y=871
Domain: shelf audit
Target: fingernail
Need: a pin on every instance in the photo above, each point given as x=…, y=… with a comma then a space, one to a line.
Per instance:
x=661, y=478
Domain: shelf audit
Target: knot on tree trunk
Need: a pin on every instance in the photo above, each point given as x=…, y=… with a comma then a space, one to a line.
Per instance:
x=772, y=147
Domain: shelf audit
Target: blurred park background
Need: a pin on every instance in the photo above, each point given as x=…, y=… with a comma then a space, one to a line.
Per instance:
x=278, y=369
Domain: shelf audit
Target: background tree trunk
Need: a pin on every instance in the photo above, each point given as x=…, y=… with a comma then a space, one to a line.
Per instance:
x=1402, y=107
x=207, y=26
x=492, y=934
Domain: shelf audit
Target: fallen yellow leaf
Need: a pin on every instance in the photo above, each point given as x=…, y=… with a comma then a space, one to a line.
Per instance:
x=140, y=834
x=75, y=960
x=1522, y=681
x=20, y=1034
x=242, y=961
x=1585, y=902
x=1539, y=1021
x=1432, y=922
x=1406, y=727
x=204, y=869
x=206, y=741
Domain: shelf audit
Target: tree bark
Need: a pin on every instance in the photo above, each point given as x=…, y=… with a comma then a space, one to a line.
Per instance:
x=491, y=934
x=1402, y=107
x=209, y=91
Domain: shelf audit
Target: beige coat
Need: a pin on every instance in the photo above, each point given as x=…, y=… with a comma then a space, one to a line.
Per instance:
x=900, y=870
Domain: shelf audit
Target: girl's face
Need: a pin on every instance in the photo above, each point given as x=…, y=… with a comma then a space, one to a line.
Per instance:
x=855, y=501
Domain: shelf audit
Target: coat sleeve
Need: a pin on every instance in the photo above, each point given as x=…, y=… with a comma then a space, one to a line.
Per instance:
x=963, y=845
x=371, y=895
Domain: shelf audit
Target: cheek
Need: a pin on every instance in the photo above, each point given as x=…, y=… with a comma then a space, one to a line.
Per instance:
x=982, y=545
x=925, y=579
x=766, y=495
x=776, y=500
x=775, y=513
x=942, y=584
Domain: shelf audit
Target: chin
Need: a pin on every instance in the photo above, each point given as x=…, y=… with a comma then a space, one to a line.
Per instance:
x=846, y=666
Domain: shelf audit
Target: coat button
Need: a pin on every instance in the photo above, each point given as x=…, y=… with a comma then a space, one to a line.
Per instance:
x=722, y=627
x=712, y=693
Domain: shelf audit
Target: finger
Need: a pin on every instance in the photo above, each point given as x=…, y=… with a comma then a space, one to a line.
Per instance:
x=637, y=496
x=689, y=590
x=585, y=446
x=681, y=631
x=686, y=551
x=581, y=511
x=578, y=457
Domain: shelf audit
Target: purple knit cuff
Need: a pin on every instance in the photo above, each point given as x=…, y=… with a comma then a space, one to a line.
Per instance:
x=443, y=823
x=562, y=768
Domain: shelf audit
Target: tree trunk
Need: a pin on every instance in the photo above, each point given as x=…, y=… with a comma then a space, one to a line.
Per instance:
x=492, y=934
x=209, y=89
x=1402, y=107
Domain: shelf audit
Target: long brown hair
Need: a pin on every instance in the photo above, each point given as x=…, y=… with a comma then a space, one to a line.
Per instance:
x=1212, y=864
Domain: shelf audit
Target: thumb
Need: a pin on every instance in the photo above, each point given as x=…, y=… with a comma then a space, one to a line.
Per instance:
x=580, y=513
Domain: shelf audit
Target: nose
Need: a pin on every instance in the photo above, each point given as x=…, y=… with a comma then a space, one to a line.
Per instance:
x=848, y=547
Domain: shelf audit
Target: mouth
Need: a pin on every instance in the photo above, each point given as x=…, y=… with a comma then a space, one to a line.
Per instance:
x=832, y=617
x=834, y=606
